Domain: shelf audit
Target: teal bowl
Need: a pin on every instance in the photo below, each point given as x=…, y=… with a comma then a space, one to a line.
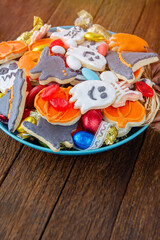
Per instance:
x=132, y=134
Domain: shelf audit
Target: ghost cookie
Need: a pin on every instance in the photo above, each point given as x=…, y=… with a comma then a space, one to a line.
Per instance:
x=123, y=93
x=7, y=75
x=125, y=64
x=88, y=57
x=50, y=134
x=51, y=69
x=92, y=94
x=74, y=33
x=92, y=44
x=12, y=50
x=17, y=101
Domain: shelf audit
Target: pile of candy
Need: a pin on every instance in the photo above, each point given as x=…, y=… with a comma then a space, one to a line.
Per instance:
x=80, y=87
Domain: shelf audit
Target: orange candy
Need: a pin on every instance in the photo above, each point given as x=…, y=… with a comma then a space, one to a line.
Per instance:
x=132, y=112
x=67, y=117
x=29, y=60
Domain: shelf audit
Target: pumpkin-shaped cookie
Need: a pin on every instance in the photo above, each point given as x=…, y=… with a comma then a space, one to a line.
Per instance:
x=57, y=110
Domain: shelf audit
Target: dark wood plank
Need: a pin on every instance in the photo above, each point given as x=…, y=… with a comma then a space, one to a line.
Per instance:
x=30, y=192
x=9, y=149
x=139, y=215
x=91, y=199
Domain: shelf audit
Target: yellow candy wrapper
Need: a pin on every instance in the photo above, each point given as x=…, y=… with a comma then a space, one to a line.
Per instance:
x=26, y=36
x=85, y=19
x=96, y=28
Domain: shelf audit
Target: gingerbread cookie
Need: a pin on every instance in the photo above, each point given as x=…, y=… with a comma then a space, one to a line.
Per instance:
x=74, y=33
x=123, y=93
x=7, y=75
x=88, y=57
x=11, y=50
x=51, y=69
x=50, y=134
x=125, y=64
x=92, y=94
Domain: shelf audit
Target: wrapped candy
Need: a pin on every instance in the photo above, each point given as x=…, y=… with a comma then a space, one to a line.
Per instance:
x=96, y=28
x=111, y=135
x=85, y=19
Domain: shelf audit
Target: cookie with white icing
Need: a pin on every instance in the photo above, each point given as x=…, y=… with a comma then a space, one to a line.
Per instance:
x=125, y=64
x=52, y=135
x=93, y=94
x=123, y=93
x=74, y=33
x=89, y=58
x=7, y=75
x=92, y=44
x=51, y=69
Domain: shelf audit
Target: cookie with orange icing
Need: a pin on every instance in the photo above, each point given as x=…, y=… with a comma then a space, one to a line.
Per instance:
x=40, y=44
x=130, y=115
x=11, y=50
x=127, y=42
x=29, y=60
x=57, y=109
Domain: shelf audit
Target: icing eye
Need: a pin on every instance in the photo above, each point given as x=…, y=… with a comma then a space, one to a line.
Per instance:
x=13, y=66
x=101, y=89
x=97, y=57
x=3, y=71
x=90, y=59
x=103, y=95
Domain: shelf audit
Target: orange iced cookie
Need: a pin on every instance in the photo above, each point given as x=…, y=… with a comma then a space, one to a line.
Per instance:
x=132, y=113
x=39, y=45
x=29, y=60
x=11, y=50
x=52, y=109
x=127, y=42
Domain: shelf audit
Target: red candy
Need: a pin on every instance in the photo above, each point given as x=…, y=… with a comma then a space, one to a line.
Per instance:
x=3, y=119
x=29, y=86
x=49, y=92
x=145, y=89
x=26, y=113
x=57, y=42
x=91, y=120
x=102, y=49
x=60, y=104
x=31, y=96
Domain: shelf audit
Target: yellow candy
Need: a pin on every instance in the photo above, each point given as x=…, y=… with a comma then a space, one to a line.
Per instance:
x=28, y=119
x=93, y=37
x=40, y=48
x=25, y=135
x=1, y=95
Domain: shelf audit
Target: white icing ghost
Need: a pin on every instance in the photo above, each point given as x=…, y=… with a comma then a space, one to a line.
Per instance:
x=7, y=75
x=88, y=57
x=123, y=93
x=92, y=44
x=93, y=94
x=74, y=33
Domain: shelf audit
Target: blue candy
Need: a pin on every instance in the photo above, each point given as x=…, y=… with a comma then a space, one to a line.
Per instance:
x=89, y=74
x=83, y=139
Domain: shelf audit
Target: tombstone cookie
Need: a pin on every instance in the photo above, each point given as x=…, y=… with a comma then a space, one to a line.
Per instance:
x=125, y=64
x=89, y=58
x=52, y=135
x=4, y=104
x=51, y=69
x=92, y=94
x=7, y=75
x=74, y=33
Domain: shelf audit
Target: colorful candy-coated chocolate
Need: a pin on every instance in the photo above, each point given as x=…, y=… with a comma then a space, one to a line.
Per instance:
x=102, y=49
x=58, y=49
x=145, y=89
x=83, y=139
x=89, y=74
x=29, y=119
x=93, y=37
x=73, y=63
x=31, y=96
x=49, y=92
x=91, y=120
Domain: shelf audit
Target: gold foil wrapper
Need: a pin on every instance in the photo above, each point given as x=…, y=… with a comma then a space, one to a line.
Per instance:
x=96, y=28
x=26, y=36
x=29, y=119
x=111, y=135
x=1, y=95
x=84, y=19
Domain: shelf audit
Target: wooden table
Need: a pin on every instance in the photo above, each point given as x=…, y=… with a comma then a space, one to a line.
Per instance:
x=113, y=195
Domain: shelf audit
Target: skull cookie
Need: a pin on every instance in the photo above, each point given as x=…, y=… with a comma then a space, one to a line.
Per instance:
x=7, y=75
x=93, y=94
x=88, y=57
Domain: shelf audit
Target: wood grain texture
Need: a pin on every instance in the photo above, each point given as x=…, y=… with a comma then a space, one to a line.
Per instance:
x=30, y=192
x=139, y=215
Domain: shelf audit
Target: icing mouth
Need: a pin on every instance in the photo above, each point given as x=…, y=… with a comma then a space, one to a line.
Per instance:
x=8, y=76
x=90, y=93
